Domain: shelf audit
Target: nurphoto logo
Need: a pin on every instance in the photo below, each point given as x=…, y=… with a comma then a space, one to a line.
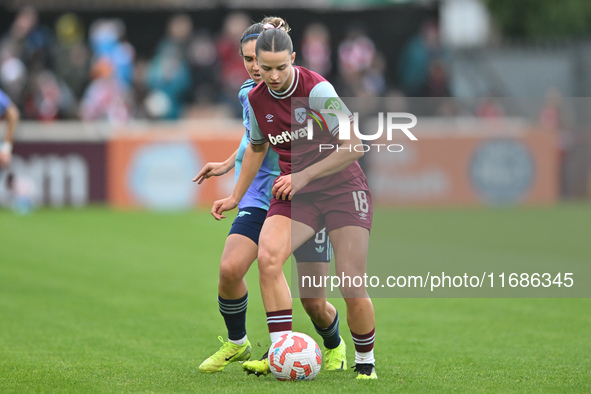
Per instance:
x=392, y=120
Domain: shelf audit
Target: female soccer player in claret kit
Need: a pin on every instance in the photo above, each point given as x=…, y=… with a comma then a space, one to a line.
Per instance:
x=241, y=247
x=328, y=189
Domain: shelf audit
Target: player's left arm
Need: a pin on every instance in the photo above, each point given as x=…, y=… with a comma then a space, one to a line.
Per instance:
x=12, y=116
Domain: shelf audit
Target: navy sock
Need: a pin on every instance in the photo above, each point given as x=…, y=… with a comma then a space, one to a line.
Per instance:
x=234, y=313
x=330, y=334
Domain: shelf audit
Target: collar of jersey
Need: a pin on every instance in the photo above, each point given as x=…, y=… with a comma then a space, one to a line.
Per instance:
x=290, y=89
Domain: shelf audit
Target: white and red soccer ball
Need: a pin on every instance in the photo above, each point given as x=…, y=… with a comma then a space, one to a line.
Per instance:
x=295, y=356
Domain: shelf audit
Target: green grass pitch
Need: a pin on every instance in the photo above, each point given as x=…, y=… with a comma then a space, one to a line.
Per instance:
x=98, y=300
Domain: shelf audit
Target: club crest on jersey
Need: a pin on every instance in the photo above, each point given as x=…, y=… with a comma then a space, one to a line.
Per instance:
x=303, y=112
x=300, y=114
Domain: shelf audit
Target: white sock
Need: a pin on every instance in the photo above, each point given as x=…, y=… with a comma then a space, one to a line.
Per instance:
x=276, y=335
x=365, y=358
x=238, y=342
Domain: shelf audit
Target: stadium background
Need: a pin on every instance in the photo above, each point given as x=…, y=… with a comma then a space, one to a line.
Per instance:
x=101, y=299
x=471, y=71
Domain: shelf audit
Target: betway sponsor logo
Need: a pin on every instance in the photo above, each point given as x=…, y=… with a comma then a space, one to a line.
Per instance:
x=288, y=136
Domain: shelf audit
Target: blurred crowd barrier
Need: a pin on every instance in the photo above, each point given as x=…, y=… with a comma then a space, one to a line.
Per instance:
x=147, y=165
x=455, y=162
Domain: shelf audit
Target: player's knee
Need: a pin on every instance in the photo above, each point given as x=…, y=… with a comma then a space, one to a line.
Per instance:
x=229, y=276
x=314, y=306
x=355, y=303
x=353, y=293
x=270, y=261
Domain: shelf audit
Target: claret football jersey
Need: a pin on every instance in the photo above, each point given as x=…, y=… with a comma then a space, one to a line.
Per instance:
x=282, y=118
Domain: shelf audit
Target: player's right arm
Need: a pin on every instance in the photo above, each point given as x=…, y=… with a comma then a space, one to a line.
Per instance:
x=254, y=155
x=216, y=169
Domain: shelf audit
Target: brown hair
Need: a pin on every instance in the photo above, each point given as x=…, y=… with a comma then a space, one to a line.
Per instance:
x=254, y=31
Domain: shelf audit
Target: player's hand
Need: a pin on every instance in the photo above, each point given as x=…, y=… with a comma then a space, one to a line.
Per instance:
x=209, y=170
x=282, y=188
x=287, y=185
x=221, y=206
x=5, y=157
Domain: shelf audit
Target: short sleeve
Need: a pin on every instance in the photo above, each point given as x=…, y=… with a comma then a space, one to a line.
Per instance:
x=256, y=135
x=324, y=96
x=243, y=98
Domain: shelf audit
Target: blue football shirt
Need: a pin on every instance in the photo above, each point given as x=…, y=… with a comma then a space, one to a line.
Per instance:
x=259, y=192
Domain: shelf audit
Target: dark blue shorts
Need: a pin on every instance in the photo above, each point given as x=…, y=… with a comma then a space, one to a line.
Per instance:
x=316, y=249
x=249, y=223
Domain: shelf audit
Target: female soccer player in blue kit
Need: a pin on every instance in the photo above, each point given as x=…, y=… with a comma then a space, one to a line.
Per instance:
x=241, y=246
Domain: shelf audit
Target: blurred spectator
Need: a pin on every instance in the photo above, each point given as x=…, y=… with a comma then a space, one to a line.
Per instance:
x=140, y=91
x=13, y=75
x=106, y=98
x=202, y=60
x=24, y=50
x=231, y=67
x=71, y=54
x=423, y=63
x=438, y=80
x=374, y=81
x=47, y=98
x=356, y=52
x=29, y=41
x=168, y=77
x=107, y=39
x=178, y=34
x=169, y=81
x=316, y=49
x=356, y=57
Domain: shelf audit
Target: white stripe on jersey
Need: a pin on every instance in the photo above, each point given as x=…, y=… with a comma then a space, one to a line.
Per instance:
x=291, y=89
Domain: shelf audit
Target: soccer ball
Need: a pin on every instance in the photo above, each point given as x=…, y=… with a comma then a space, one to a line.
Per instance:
x=295, y=356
